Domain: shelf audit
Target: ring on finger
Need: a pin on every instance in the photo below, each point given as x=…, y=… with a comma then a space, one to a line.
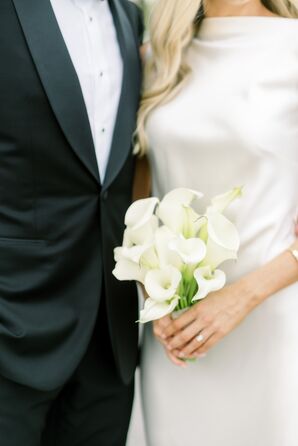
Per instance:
x=200, y=338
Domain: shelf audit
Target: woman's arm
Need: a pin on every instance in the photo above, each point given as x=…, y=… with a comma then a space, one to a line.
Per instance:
x=274, y=276
x=218, y=314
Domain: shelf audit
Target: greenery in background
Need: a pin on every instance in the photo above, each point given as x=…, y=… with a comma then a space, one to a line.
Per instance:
x=146, y=6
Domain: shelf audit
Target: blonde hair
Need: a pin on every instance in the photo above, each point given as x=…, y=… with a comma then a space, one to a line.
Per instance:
x=172, y=27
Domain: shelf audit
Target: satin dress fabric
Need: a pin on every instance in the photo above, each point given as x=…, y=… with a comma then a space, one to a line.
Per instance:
x=234, y=123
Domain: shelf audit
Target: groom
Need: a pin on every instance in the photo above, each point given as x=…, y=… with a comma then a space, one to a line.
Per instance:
x=69, y=89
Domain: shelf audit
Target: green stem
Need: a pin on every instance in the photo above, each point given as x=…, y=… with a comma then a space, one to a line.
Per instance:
x=192, y=290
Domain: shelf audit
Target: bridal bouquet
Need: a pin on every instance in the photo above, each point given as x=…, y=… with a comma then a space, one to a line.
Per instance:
x=174, y=251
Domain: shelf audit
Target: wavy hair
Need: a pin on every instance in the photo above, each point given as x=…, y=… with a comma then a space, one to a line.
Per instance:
x=173, y=25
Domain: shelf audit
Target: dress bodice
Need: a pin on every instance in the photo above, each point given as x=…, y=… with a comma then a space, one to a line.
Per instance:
x=235, y=122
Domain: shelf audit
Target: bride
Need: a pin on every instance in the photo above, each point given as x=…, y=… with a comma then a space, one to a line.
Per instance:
x=220, y=109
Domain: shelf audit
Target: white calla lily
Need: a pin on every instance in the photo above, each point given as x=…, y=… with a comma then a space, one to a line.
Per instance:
x=166, y=256
x=175, y=211
x=149, y=258
x=155, y=310
x=140, y=212
x=216, y=255
x=133, y=253
x=192, y=251
x=118, y=253
x=223, y=239
x=221, y=202
x=141, y=235
x=159, y=254
x=172, y=216
x=222, y=231
x=162, y=284
x=181, y=196
x=125, y=269
x=176, y=262
x=208, y=281
x=192, y=223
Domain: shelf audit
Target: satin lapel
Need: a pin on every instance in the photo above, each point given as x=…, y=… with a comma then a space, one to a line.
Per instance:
x=58, y=76
x=126, y=116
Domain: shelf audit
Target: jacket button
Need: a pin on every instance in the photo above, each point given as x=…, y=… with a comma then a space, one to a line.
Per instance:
x=105, y=195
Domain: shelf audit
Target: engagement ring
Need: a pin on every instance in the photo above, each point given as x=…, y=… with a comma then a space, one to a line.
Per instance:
x=200, y=338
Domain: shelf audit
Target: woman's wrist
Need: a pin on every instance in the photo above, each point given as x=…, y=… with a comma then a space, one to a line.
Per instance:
x=279, y=273
x=294, y=252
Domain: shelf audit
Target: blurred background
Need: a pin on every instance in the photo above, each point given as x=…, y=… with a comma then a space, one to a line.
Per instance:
x=146, y=6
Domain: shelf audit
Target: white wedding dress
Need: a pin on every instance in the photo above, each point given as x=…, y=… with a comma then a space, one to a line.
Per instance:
x=234, y=123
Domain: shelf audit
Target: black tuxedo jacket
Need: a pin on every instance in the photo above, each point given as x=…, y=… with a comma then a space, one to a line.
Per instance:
x=58, y=224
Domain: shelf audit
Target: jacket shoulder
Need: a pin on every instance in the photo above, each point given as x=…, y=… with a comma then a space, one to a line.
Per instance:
x=135, y=16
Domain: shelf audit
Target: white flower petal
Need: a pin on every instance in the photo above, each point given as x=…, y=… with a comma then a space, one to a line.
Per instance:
x=208, y=281
x=118, y=253
x=142, y=234
x=149, y=258
x=216, y=254
x=222, y=231
x=180, y=219
x=181, y=196
x=134, y=253
x=140, y=212
x=200, y=222
x=191, y=250
x=172, y=216
x=162, y=284
x=155, y=310
x=192, y=222
x=221, y=202
x=175, y=211
x=127, y=270
x=166, y=256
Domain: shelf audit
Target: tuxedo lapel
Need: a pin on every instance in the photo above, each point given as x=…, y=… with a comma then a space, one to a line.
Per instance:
x=126, y=116
x=58, y=77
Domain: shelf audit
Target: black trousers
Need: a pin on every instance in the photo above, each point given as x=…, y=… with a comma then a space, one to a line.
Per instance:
x=92, y=409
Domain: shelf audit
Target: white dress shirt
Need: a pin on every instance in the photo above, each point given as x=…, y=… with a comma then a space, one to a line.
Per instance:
x=88, y=30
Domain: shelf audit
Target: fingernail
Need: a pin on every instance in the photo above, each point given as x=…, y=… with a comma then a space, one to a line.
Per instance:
x=182, y=355
x=163, y=336
x=202, y=355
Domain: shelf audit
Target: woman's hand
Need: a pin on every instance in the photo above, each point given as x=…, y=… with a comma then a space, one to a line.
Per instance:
x=199, y=329
x=195, y=332
x=158, y=328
